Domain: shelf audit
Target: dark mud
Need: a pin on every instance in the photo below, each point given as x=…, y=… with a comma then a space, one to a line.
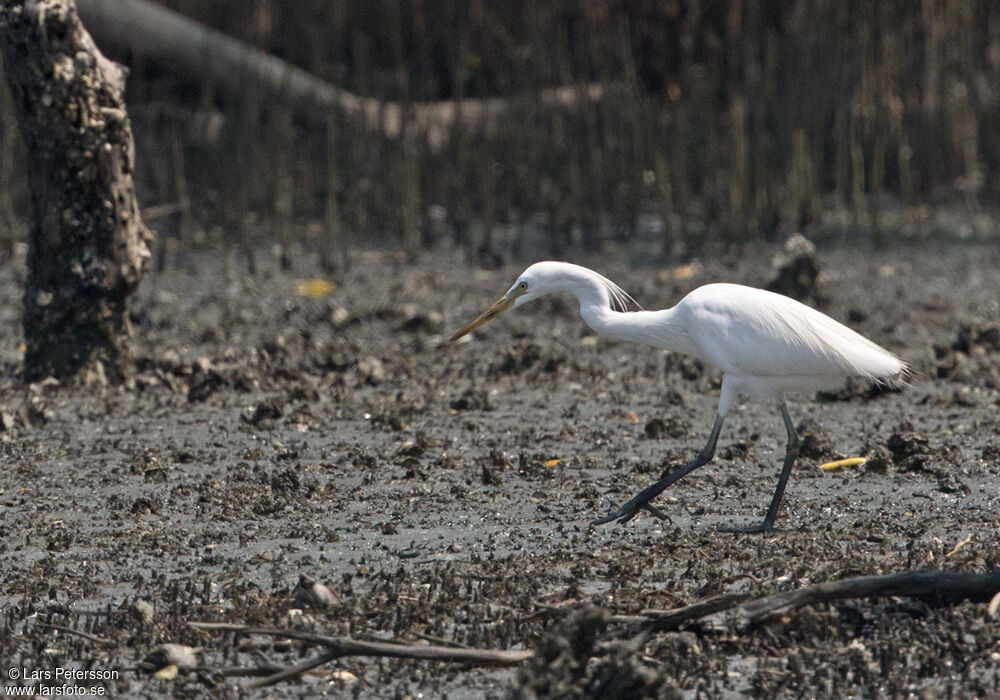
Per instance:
x=443, y=493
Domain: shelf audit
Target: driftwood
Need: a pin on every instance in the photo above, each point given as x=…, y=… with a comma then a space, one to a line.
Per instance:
x=87, y=242
x=934, y=587
x=337, y=647
x=185, y=46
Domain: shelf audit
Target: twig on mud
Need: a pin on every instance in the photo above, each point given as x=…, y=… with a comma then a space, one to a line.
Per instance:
x=297, y=670
x=669, y=620
x=939, y=587
x=69, y=630
x=665, y=620
x=659, y=620
x=441, y=641
x=345, y=646
x=266, y=670
x=933, y=586
x=558, y=610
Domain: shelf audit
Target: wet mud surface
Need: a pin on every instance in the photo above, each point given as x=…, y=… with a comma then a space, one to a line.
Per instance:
x=443, y=493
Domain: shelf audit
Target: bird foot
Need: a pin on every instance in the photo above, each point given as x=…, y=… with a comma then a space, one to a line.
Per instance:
x=631, y=509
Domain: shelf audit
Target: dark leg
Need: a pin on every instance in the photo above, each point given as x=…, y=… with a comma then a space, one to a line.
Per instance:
x=791, y=452
x=642, y=499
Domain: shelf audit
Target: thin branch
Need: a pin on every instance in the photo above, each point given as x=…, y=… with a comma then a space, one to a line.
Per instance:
x=665, y=620
x=440, y=640
x=78, y=633
x=293, y=671
x=345, y=646
x=265, y=670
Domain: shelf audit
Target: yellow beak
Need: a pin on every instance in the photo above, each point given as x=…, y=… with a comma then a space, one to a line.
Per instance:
x=499, y=306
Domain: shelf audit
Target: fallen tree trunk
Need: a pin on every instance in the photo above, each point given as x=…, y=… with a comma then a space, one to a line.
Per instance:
x=87, y=243
x=185, y=46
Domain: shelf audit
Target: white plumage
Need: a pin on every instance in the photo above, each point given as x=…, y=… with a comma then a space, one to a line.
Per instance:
x=765, y=344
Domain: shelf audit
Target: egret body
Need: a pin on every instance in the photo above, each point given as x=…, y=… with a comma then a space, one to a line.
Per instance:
x=765, y=344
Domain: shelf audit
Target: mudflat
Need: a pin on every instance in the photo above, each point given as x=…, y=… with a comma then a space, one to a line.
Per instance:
x=442, y=493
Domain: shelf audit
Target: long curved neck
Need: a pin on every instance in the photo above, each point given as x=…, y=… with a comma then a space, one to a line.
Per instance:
x=657, y=328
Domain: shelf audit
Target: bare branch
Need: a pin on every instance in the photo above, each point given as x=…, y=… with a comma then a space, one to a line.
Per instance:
x=940, y=587
x=665, y=620
x=294, y=671
x=345, y=646
x=78, y=633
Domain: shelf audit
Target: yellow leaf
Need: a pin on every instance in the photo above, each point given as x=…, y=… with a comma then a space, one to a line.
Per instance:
x=633, y=416
x=23, y=347
x=841, y=463
x=551, y=462
x=314, y=288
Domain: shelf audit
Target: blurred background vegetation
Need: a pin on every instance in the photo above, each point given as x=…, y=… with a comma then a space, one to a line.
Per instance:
x=691, y=124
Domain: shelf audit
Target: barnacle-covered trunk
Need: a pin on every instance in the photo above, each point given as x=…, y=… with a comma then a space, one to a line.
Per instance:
x=87, y=249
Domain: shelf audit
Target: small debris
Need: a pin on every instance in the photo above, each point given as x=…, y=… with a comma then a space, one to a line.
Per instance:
x=268, y=409
x=418, y=321
x=204, y=383
x=993, y=609
x=371, y=370
x=342, y=676
x=815, y=443
x=657, y=428
x=472, y=399
x=143, y=611
x=309, y=593
x=569, y=662
x=166, y=655
x=909, y=448
x=878, y=460
x=962, y=543
x=973, y=338
x=144, y=506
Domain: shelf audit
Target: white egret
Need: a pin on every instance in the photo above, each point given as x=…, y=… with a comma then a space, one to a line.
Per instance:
x=765, y=344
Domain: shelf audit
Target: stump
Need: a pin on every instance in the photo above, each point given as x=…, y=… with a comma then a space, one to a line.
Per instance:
x=87, y=248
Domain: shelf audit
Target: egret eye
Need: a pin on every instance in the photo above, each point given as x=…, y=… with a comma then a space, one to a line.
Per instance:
x=522, y=286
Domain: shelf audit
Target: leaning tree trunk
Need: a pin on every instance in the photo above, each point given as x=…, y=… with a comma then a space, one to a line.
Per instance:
x=87, y=247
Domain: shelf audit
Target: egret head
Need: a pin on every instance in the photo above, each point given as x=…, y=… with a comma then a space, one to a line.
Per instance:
x=548, y=276
x=540, y=278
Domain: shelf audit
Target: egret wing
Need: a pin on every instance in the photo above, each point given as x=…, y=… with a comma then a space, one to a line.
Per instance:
x=755, y=333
